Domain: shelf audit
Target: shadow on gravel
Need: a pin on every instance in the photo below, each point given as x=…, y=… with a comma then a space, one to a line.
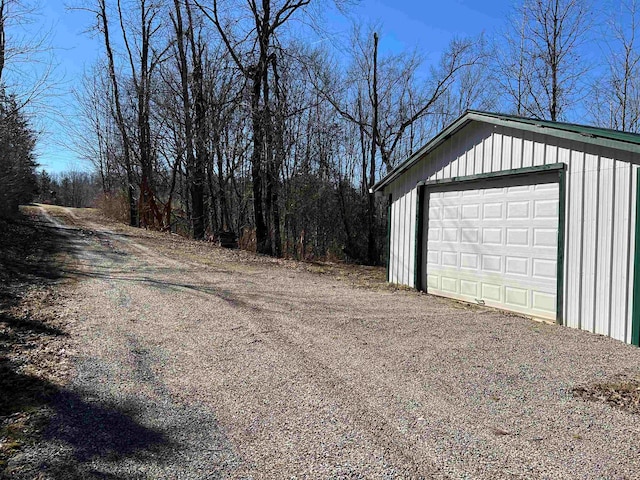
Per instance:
x=30, y=252
x=30, y=248
x=29, y=324
x=93, y=429
x=47, y=431
x=166, y=286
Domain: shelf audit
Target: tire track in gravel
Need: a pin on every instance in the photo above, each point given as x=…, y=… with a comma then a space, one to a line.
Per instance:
x=303, y=378
x=405, y=449
x=409, y=449
x=117, y=419
x=396, y=446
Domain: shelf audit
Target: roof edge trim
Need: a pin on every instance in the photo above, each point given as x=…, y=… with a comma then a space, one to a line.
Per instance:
x=578, y=133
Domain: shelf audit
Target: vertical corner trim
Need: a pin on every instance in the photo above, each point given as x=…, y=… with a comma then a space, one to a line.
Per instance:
x=389, y=209
x=562, y=202
x=419, y=235
x=635, y=313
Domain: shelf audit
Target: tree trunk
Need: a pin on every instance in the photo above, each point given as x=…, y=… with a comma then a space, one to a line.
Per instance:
x=133, y=220
x=257, y=156
x=371, y=240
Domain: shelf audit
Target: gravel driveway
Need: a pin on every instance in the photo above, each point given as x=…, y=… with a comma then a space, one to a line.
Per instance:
x=194, y=362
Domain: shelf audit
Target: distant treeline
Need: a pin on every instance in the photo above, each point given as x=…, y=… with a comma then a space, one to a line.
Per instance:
x=70, y=189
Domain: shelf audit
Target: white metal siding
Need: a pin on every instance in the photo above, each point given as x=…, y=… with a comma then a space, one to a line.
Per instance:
x=599, y=215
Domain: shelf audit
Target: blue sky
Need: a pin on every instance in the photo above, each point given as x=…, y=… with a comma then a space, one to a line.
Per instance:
x=406, y=24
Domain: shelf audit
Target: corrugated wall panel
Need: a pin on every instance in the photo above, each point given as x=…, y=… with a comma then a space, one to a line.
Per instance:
x=479, y=158
x=404, y=254
x=441, y=154
x=527, y=150
x=599, y=215
x=564, y=155
x=573, y=247
x=589, y=239
x=393, y=240
x=627, y=254
x=507, y=151
x=619, y=239
x=451, y=153
x=632, y=239
x=604, y=245
x=496, y=151
x=539, y=151
x=619, y=265
x=410, y=239
x=516, y=152
x=469, y=161
x=551, y=154
x=487, y=154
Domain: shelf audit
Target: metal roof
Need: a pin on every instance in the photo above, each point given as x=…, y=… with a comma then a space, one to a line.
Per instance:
x=582, y=133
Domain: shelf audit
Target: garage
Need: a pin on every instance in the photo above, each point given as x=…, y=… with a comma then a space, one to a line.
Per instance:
x=531, y=216
x=495, y=243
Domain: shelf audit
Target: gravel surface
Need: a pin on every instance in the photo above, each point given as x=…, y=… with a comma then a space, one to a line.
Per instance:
x=196, y=362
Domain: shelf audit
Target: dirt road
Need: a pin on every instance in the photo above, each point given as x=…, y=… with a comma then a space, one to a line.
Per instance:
x=193, y=362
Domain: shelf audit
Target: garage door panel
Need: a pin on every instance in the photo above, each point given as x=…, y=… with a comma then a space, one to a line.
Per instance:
x=518, y=210
x=449, y=259
x=470, y=212
x=492, y=236
x=469, y=260
x=544, y=268
x=491, y=192
x=545, y=237
x=544, y=301
x=546, y=208
x=492, y=263
x=469, y=288
x=517, y=266
x=519, y=189
x=450, y=213
x=517, y=297
x=502, y=250
x=450, y=234
x=492, y=211
x=491, y=292
x=517, y=237
x=435, y=212
x=449, y=284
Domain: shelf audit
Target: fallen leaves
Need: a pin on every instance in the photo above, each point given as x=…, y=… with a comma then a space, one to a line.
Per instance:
x=621, y=392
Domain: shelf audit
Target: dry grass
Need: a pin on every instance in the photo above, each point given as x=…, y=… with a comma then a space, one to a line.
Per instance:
x=210, y=254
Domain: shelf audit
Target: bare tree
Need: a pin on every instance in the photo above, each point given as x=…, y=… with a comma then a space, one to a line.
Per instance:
x=253, y=50
x=19, y=53
x=191, y=80
x=473, y=87
x=103, y=27
x=385, y=98
x=615, y=97
x=143, y=56
x=541, y=67
x=95, y=136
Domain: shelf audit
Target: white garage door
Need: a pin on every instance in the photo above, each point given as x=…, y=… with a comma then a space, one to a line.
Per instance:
x=495, y=246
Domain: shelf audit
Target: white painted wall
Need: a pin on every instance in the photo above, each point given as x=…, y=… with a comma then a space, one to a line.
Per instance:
x=599, y=215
